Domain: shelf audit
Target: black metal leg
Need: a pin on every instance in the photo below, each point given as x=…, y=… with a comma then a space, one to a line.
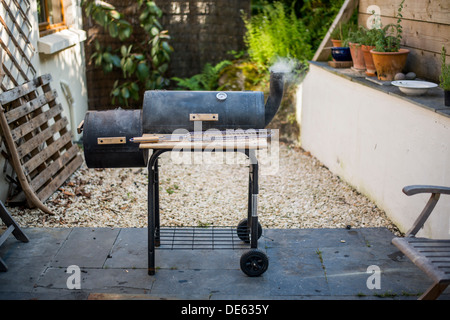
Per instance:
x=153, y=209
x=254, y=229
x=151, y=219
x=250, y=192
x=253, y=200
x=156, y=196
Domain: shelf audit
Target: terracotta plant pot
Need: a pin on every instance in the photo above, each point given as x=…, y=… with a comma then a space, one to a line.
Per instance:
x=357, y=56
x=388, y=64
x=336, y=43
x=370, y=66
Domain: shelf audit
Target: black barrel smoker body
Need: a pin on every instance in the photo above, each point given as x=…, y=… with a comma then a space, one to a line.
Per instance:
x=107, y=134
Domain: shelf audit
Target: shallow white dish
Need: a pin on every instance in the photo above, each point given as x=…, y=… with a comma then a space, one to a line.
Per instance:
x=413, y=87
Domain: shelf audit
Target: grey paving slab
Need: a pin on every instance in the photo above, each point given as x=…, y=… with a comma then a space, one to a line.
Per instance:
x=97, y=280
x=209, y=282
x=86, y=247
x=296, y=272
x=27, y=261
x=129, y=250
x=312, y=238
x=44, y=243
x=304, y=264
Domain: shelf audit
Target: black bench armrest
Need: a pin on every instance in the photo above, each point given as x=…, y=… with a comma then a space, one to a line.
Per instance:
x=436, y=192
x=415, y=189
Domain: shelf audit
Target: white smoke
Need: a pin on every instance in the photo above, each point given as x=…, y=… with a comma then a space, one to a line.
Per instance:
x=292, y=68
x=284, y=65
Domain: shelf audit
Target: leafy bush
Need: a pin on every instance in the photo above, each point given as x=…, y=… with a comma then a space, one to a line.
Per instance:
x=276, y=32
x=143, y=63
x=207, y=80
x=277, y=29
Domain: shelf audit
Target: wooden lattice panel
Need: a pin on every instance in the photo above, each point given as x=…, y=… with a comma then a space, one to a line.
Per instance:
x=39, y=143
x=15, y=43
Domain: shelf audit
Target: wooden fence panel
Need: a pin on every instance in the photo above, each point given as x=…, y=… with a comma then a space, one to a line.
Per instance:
x=426, y=28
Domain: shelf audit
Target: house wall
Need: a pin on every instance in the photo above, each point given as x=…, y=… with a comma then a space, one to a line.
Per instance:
x=64, y=60
x=378, y=143
x=426, y=28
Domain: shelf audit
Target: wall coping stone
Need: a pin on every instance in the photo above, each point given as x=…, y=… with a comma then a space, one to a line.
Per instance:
x=433, y=100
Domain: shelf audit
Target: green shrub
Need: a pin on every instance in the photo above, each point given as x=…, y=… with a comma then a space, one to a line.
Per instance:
x=143, y=63
x=276, y=32
x=207, y=80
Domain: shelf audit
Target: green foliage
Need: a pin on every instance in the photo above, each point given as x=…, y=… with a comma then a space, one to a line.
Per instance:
x=444, y=78
x=390, y=36
x=362, y=35
x=144, y=63
x=243, y=74
x=369, y=37
x=344, y=32
x=276, y=32
x=318, y=15
x=207, y=80
x=357, y=35
x=288, y=28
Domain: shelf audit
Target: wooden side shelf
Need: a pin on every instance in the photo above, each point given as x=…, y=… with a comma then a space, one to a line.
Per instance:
x=225, y=142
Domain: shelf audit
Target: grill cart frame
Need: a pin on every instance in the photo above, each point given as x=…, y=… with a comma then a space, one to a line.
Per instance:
x=170, y=120
x=253, y=262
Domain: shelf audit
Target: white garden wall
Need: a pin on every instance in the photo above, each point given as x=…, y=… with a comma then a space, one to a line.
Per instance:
x=379, y=143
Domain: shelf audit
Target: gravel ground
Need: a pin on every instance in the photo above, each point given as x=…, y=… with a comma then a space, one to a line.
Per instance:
x=302, y=194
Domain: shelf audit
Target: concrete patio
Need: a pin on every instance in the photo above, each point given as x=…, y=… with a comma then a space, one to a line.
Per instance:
x=304, y=264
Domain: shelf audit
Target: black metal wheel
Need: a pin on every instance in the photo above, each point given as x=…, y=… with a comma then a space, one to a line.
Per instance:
x=254, y=263
x=243, y=231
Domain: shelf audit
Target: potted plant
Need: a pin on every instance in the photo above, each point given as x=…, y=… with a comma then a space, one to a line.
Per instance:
x=368, y=43
x=388, y=57
x=340, y=51
x=340, y=34
x=444, y=78
x=354, y=42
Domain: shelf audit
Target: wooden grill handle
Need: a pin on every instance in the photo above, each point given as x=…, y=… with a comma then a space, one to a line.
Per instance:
x=204, y=117
x=152, y=139
x=80, y=127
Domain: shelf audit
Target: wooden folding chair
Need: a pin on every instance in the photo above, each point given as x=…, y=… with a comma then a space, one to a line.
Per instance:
x=430, y=255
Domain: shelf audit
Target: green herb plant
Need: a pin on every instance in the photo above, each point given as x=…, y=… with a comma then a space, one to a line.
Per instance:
x=444, y=78
x=390, y=36
x=344, y=32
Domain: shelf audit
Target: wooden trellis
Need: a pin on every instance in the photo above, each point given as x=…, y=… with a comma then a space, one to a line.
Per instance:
x=39, y=143
x=15, y=43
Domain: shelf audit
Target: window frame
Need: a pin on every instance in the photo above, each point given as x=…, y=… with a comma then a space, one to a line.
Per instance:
x=46, y=28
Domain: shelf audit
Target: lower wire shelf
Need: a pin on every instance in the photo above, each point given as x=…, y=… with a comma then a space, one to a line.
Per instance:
x=200, y=238
x=253, y=262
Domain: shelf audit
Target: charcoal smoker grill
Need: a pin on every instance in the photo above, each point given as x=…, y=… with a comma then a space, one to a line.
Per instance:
x=123, y=139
